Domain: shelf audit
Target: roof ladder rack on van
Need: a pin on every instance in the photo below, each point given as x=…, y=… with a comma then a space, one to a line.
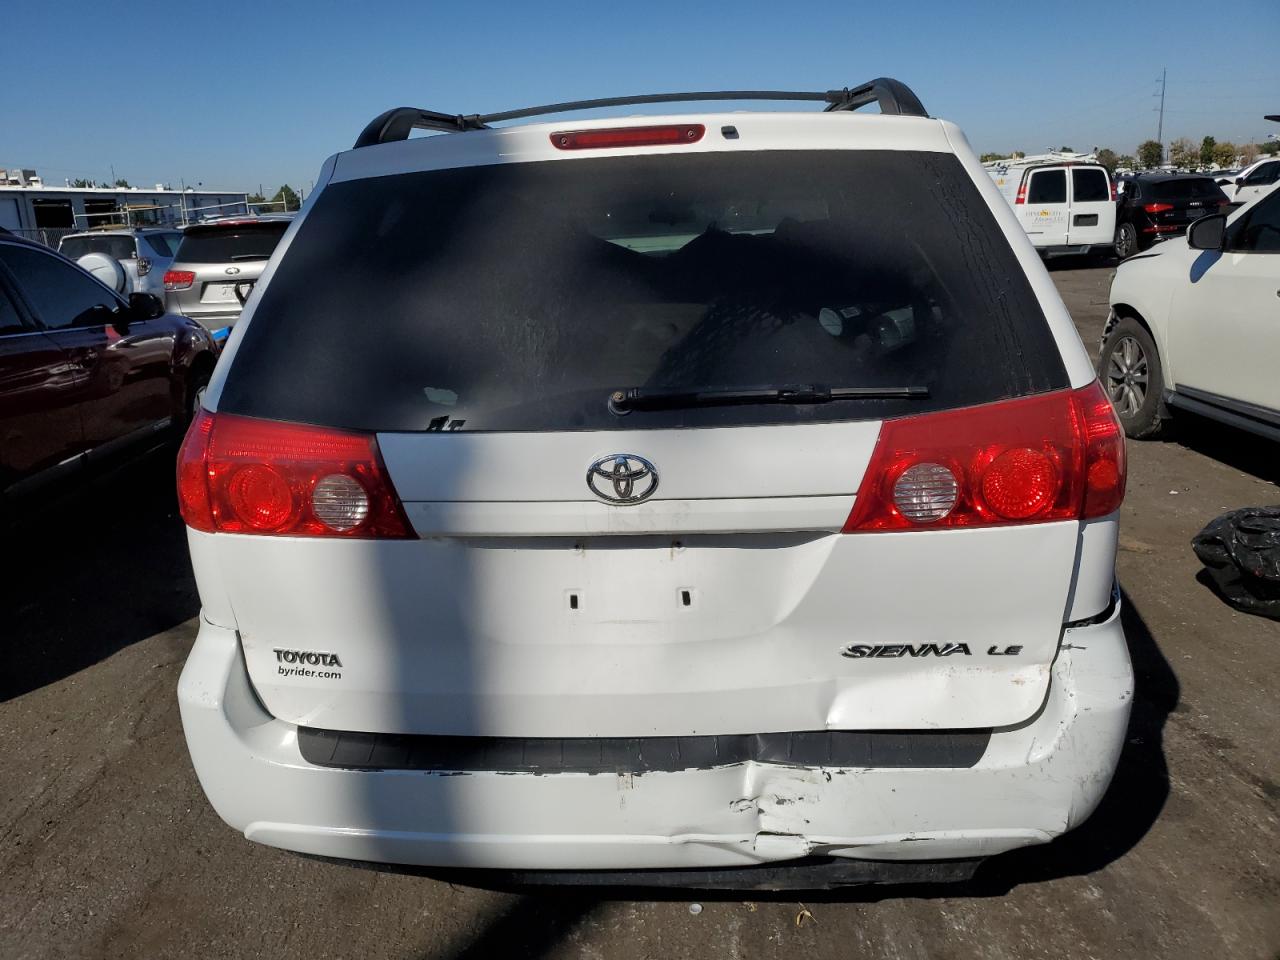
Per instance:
x=893, y=97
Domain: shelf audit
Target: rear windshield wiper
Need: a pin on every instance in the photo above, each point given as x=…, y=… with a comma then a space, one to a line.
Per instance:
x=251, y=256
x=637, y=398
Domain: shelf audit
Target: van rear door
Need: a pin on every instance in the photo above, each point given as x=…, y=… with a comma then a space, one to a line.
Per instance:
x=1093, y=212
x=1044, y=215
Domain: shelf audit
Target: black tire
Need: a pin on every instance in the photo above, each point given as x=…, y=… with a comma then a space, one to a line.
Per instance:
x=1126, y=241
x=1130, y=371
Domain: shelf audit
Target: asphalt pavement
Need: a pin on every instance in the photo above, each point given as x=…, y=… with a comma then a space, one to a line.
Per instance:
x=108, y=848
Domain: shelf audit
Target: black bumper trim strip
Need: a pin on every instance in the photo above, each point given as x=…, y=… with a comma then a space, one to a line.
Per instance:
x=822, y=748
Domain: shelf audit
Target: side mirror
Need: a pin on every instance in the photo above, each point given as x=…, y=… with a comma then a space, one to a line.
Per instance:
x=1208, y=233
x=145, y=306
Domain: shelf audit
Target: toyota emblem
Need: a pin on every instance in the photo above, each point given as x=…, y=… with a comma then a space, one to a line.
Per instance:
x=622, y=478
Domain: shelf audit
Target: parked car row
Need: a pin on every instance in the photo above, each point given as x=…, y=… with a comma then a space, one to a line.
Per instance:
x=205, y=271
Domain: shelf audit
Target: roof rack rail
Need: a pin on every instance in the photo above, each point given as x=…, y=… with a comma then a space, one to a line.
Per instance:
x=893, y=97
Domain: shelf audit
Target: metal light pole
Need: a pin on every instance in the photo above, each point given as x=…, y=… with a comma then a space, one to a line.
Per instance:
x=1164, y=73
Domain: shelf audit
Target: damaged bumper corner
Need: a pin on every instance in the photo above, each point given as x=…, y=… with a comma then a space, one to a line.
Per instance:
x=1034, y=781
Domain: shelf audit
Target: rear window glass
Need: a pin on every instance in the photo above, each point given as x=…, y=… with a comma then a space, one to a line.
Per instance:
x=1048, y=186
x=1089, y=185
x=119, y=246
x=520, y=296
x=1201, y=188
x=164, y=244
x=250, y=241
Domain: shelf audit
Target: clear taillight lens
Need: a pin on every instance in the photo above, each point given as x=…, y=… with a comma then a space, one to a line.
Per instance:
x=925, y=492
x=242, y=475
x=1057, y=456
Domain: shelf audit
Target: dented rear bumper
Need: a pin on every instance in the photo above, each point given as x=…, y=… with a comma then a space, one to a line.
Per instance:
x=1034, y=781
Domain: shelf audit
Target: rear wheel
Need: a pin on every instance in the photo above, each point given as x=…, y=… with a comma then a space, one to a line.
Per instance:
x=1132, y=376
x=1126, y=241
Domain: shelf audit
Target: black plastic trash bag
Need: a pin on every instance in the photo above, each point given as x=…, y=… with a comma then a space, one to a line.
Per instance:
x=1241, y=550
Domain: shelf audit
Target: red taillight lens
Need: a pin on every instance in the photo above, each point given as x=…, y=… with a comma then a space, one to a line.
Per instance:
x=240, y=475
x=1157, y=207
x=1114, y=196
x=628, y=137
x=1022, y=191
x=1059, y=456
x=178, y=279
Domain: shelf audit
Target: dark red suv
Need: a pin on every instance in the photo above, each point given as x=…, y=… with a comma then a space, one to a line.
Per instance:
x=85, y=374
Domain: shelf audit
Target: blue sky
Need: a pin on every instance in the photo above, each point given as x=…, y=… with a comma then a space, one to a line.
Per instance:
x=235, y=94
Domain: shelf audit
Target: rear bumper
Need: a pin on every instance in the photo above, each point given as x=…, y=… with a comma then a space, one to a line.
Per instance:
x=1033, y=782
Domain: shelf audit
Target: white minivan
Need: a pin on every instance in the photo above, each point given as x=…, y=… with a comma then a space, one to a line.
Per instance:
x=1064, y=202
x=651, y=494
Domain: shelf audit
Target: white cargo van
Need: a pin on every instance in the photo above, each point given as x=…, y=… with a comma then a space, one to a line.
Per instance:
x=1064, y=201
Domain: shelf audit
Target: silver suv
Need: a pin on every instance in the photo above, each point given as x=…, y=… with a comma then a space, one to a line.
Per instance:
x=217, y=265
x=143, y=255
x=683, y=491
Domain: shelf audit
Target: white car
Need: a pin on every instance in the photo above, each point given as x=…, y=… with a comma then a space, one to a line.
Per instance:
x=1254, y=180
x=1195, y=325
x=699, y=491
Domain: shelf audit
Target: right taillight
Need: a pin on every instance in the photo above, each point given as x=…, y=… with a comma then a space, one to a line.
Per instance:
x=179, y=279
x=1157, y=207
x=1058, y=456
x=243, y=475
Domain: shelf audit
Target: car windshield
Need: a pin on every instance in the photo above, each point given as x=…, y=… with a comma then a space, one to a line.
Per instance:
x=1198, y=188
x=230, y=243
x=519, y=296
x=117, y=245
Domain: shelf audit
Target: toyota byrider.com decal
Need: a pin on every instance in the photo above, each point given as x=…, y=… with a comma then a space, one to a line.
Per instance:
x=304, y=663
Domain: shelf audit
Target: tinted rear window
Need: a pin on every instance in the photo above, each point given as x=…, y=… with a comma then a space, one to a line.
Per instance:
x=1089, y=185
x=1201, y=188
x=119, y=246
x=254, y=241
x=519, y=296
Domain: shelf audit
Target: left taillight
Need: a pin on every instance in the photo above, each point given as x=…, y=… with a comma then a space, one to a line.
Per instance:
x=179, y=279
x=243, y=475
x=1057, y=456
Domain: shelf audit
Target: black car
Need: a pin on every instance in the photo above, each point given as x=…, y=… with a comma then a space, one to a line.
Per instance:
x=1154, y=206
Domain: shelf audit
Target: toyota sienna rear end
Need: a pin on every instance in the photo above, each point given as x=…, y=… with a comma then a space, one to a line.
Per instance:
x=699, y=491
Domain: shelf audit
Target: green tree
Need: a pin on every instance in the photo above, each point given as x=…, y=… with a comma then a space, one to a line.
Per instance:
x=1270, y=147
x=988, y=157
x=290, y=198
x=1206, y=151
x=1107, y=157
x=256, y=198
x=1224, y=154
x=81, y=182
x=1066, y=150
x=1150, y=154
x=1126, y=162
x=122, y=182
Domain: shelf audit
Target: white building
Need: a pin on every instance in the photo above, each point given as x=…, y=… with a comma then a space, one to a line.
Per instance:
x=32, y=208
